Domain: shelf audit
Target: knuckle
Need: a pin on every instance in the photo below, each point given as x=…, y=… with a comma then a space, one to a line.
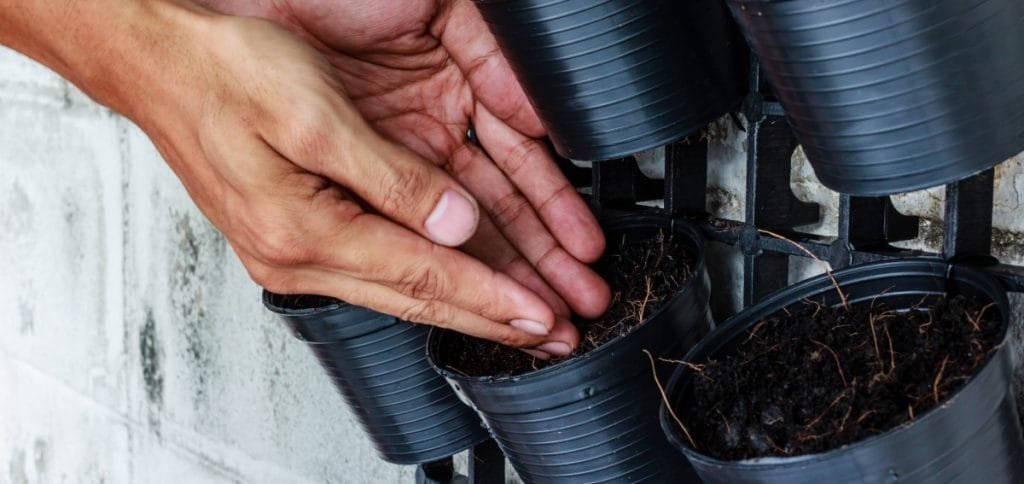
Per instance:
x=422, y=281
x=520, y=156
x=562, y=191
x=310, y=137
x=488, y=308
x=399, y=190
x=282, y=248
x=514, y=339
x=272, y=280
x=426, y=312
x=514, y=264
x=478, y=65
x=507, y=209
x=461, y=160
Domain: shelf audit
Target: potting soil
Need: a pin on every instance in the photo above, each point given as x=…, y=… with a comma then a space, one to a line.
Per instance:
x=643, y=276
x=814, y=378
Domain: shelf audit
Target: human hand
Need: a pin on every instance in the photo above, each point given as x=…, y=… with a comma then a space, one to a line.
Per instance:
x=422, y=72
x=312, y=199
x=261, y=132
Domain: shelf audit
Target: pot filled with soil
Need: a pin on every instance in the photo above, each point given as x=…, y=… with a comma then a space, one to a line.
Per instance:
x=592, y=417
x=891, y=96
x=610, y=78
x=903, y=376
x=378, y=364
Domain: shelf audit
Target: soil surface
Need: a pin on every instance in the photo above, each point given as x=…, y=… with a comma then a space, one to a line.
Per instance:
x=643, y=276
x=814, y=378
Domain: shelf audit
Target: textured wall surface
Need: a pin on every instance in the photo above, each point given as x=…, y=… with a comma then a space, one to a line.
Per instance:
x=134, y=346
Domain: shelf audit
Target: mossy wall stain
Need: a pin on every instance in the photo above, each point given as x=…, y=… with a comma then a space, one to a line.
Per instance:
x=196, y=279
x=152, y=373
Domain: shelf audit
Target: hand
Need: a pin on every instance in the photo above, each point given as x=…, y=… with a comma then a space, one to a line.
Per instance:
x=261, y=131
x=421, y=72
x=263, y=134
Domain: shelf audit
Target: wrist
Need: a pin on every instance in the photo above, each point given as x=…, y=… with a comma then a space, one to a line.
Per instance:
x=119, y=52
x=140, y=67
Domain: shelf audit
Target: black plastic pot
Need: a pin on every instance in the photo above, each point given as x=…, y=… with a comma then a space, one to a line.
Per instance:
x=378, y=364
x=973, y=437
x=610, y=78
x=593, y=418
x=891, y=96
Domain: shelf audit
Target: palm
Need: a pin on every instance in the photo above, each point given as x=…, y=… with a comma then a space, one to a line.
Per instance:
x=400, y=63
x=422, y=72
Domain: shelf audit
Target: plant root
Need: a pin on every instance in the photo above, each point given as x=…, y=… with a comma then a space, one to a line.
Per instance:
x=828, y=267
x=938, y=379
x=668, y=405
x=839, y=366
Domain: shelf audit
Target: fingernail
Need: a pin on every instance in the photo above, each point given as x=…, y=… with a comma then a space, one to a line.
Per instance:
x=555, y=348
x=540, y=355
x=453, y=219
x=531, y=327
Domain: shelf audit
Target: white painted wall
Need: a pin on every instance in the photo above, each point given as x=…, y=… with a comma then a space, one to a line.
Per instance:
x=133, y=347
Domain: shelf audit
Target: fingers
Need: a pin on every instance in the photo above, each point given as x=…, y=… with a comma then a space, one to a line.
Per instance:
x=336, y=142
x=529, y=165
x=299, y=235
x=268, y=166
x=475, y=51
x=493, y=249
x=579, y=286
x=373, y=249
x=509, y=314
x=560, y=341
x=492, y=306
x=435, y=313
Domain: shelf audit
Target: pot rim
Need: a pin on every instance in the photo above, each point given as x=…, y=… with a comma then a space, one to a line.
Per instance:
x=737, y=323
x=268, y=303
x=613, y=223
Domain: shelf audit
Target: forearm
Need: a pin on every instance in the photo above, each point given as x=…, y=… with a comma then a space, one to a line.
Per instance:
x=111, y=49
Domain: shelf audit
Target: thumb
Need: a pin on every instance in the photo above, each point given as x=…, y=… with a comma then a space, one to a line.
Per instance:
x=414, y=192
x=393, y=180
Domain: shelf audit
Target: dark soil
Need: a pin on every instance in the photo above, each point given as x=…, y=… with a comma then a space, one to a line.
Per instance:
x=814, y=378
x=643, y=276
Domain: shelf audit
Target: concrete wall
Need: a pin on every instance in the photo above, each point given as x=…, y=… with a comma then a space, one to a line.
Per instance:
x=134, y=347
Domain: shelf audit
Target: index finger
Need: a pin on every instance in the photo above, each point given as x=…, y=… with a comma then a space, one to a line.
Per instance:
x=531, y=167
x=372, y=248
x=476, y=52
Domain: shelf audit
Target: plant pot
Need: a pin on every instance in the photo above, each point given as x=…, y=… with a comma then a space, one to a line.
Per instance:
x=891, y=96
x=610, y=78
x=593, y=418
x=972, y=436
x=378, y=364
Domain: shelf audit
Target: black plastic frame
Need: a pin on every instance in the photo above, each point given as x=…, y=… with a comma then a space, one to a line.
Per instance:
x=867, y=225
